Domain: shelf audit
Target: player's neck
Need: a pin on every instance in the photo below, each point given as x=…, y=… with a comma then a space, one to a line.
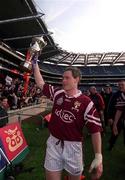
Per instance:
x=72, y=92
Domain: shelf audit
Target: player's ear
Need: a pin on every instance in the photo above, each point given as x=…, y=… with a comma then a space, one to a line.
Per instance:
x=77, y=80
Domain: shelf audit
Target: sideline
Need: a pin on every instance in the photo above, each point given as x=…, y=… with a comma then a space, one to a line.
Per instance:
x=27, y=112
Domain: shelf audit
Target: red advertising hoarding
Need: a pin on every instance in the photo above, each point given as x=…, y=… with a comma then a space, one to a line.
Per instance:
x=13, y=140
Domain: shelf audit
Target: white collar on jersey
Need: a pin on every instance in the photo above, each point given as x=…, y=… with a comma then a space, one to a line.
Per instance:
x=74, y=96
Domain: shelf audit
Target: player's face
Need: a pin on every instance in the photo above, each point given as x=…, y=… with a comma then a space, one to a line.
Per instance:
x=121, y=85
x=69, y=82
x=4, y=103
x=92, y=90
x=108, y=90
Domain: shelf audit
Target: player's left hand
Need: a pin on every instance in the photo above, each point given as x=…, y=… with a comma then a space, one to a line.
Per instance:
x=96, y=167
x=115, y=130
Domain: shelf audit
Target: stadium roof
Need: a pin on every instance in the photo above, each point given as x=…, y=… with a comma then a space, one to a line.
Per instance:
x=69, y=58
x=20, y=22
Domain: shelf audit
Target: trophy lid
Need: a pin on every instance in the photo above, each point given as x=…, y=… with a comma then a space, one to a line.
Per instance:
x=39, y=38
x=40, y=41
x=35, y=46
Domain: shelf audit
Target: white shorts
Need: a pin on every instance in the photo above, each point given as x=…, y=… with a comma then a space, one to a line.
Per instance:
x=69, y=157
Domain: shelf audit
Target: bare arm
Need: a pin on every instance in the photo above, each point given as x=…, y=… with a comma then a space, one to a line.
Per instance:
x=117, y=116
x=96, y=164
x=38, y=77
x=116, y=119
x=96, y=141
x=101, y=115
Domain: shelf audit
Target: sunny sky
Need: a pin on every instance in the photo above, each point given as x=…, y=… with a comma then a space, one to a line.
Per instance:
x=86, y=26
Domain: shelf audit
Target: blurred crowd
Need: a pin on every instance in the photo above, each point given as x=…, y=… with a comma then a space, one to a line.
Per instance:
x=13, y=90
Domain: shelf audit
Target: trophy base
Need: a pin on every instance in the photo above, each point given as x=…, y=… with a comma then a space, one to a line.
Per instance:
x=26, y=66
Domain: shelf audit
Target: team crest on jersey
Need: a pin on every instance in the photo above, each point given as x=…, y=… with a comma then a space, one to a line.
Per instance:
x=76, y=105
x=59, y=101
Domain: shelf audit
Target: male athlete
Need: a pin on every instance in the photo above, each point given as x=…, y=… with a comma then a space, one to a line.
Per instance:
x=71, y=112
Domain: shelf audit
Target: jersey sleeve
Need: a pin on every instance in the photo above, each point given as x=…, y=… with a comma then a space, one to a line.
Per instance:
x=101, y=102
x=49, y=91
x=92, y=120
x=120, y=105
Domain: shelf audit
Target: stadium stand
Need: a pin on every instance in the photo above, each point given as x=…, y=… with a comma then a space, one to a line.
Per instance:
x=87, y=70
x=18, y=25
x=23, y=22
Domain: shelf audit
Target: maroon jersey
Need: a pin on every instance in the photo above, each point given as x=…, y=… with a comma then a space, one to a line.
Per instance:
x=98, y=101
x=71, y=114
x=120, y=105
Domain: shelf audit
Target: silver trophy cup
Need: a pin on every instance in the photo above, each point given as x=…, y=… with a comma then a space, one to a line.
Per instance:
x=35, y=48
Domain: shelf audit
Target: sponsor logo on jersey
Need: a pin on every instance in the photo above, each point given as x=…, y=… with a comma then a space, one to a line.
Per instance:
x=65, y=116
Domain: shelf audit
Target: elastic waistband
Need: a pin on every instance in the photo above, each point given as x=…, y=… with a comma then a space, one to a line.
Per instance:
x=65, y=141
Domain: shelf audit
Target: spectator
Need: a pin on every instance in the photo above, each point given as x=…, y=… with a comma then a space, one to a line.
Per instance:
x=3, y=111
x=15, y=95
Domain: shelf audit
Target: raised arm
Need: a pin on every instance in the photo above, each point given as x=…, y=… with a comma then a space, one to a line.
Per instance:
x=47, y=89
x=38, y=77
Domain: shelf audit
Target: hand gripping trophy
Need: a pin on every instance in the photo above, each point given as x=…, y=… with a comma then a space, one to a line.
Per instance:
x=35, y=48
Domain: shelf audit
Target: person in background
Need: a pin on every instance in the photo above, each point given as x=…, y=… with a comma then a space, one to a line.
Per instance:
x=120, y=115
x=3, y=111
x=111, y=113
x=71, y=112
x=106, y=97
x=99, y=104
